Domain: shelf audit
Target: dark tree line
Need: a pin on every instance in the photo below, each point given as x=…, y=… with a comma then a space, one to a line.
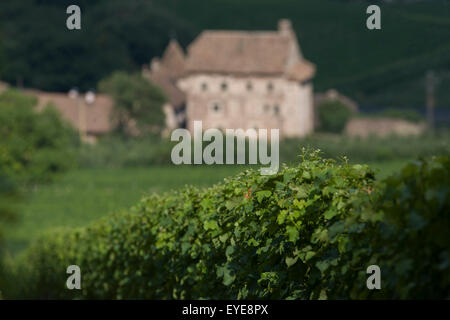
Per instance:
x=38, y=51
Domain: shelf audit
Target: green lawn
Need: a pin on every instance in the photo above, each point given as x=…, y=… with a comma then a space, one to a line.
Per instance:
x=84, y=195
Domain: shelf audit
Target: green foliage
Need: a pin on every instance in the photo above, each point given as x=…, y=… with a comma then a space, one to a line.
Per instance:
x=404, y=114
x=99, y=192
x=135, y=100
x=102, y=191
x=8, y=197
x=82, y=58
x=370, y=149
x=414, y=247
x=333, y=116
x=34, y=146
x=308, y=232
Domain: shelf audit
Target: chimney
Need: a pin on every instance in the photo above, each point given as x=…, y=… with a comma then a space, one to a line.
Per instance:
x=285, y=27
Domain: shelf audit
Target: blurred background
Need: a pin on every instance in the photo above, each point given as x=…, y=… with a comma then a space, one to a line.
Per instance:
x=85, y=115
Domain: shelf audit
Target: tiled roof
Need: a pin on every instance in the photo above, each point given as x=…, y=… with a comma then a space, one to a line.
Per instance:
x=249, y=53
x=173, y=60
x=301, y=71
x=238, y=52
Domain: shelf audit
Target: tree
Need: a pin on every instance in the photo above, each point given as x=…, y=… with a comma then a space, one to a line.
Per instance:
x=333, y=116
x=34, y=146
x=137, y=103
x=116, y=35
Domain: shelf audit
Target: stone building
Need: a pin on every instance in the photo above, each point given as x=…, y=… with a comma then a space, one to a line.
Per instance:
x=240, y=79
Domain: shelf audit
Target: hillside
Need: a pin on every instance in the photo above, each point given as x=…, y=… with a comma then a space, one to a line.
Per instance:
x=375, y=67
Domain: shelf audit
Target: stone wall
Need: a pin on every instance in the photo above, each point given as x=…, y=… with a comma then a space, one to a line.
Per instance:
x=364, y=127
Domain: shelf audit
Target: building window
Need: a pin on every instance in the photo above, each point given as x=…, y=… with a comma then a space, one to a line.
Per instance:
x=224, y=86
x=204, y=86
x=249, y=86
x=276, y=109
x=306, y=83
x=270, y=87
x=216, y=108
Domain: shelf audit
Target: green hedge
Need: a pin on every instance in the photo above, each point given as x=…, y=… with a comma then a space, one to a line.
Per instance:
x=308, y=232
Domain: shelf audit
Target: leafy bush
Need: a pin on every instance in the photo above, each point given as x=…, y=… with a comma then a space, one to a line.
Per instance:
x=414, y=246
x=308, y=232
x=8, y=202
x=8, y=199
x=333, y=116
x=33, y=146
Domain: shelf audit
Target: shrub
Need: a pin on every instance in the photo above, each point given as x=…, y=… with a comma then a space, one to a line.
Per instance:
x=307, y=232
x=414, y=246
x=34, y=146
x=8, y=198
x=333, y=116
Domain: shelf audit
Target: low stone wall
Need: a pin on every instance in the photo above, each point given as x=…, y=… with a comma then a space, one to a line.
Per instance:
x=364, y=127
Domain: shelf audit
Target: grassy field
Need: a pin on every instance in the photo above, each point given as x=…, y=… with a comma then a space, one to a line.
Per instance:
x=87, y=194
